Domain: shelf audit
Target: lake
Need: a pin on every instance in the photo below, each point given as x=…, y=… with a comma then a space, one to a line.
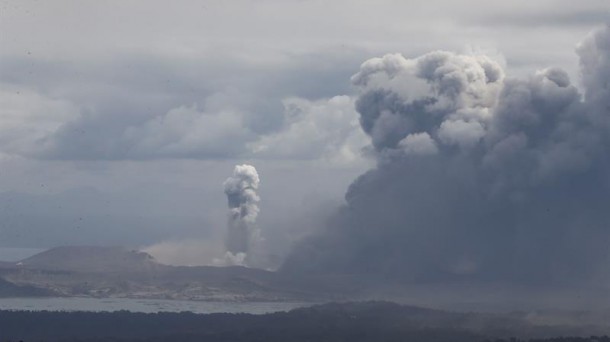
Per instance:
x=143, y=305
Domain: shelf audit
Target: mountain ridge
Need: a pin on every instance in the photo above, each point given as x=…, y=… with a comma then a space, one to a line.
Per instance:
x=91, y=259
x=99, y=271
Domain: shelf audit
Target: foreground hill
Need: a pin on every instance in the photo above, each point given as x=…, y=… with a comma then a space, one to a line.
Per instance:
x=368, y=321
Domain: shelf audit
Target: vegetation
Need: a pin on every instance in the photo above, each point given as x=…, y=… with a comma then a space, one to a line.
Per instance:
x=353, y=322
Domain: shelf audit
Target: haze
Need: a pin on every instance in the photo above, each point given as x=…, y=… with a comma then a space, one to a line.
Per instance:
x=481, y=130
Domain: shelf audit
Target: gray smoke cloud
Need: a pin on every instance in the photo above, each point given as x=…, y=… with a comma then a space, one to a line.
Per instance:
x=242, y=232
x=479, y=176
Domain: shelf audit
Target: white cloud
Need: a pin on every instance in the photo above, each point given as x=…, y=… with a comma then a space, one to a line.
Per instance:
x=459, y=132
x=418, y=143
x=27, y=118
x=326, y=129
x=189, y=131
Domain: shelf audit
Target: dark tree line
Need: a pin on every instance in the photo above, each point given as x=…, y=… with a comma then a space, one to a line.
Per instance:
x=557, y=339
x=161, y=327
x=363, y=322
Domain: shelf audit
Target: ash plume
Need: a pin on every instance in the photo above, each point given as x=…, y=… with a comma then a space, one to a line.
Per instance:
x=479, y=176
x=242, y=232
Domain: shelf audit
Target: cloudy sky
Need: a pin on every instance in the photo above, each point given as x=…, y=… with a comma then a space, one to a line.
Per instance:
x=120, y=120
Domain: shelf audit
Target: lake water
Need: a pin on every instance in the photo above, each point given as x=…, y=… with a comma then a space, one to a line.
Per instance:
x=142, y=305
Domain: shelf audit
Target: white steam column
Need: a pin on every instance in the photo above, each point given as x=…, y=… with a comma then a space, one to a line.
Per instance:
x=242, y=232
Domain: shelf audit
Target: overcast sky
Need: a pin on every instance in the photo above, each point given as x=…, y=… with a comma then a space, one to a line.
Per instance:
x=120, y=120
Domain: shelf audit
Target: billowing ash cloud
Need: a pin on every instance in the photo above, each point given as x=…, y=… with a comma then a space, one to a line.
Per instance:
x=479, y=176
x=242, y=233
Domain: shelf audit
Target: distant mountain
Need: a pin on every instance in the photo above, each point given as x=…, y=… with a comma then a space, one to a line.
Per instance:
x=92, y=259
x=94, y=271
x=117, y=272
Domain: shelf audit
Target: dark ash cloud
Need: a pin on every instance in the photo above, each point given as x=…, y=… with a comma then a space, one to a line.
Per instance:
x=479, y=176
